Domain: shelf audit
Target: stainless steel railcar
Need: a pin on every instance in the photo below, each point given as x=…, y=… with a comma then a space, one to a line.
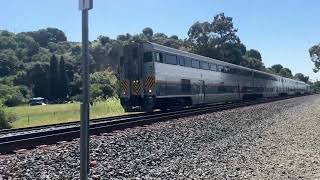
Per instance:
x=154, y=76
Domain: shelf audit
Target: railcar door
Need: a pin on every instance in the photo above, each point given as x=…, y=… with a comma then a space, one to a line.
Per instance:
x=201, y=95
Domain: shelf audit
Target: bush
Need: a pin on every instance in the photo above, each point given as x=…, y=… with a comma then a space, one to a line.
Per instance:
x=75, y=98
x=104, y=84
x=11, y=95
x=5, y=118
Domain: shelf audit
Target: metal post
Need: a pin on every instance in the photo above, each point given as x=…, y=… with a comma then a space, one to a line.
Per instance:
x=84, y=107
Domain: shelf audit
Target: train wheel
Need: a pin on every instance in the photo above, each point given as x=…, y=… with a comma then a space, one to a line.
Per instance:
x=148, y=104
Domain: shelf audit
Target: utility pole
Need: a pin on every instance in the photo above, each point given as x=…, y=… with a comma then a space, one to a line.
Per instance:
x=85, y=6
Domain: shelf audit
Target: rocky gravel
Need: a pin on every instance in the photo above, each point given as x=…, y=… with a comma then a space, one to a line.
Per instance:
x=277, y=140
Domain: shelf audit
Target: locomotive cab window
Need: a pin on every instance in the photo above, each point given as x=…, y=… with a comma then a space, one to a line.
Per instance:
x=187, y=62
x=171, y=59
x=181, y=60
x=195, y=64
x=213, y=67
x=159, y=57
x=220, y=68
x=148, y=57
x=204, y=65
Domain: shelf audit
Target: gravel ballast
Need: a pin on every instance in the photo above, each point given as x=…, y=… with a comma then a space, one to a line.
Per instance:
x=277, y=140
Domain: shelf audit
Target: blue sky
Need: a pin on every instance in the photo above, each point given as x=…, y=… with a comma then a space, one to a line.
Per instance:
x=282, y=31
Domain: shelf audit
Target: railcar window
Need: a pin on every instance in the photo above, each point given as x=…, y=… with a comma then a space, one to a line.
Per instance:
x=213, y=67
x=204, y=65
x=159, y=57
x=226, y=69
x=147, y=57
x=181, y=61
x=187, y=62
x=195, y=63
x=171, y=59
x=220, y=68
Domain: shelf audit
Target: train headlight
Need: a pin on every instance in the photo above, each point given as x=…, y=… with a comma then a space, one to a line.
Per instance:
x=150, y=90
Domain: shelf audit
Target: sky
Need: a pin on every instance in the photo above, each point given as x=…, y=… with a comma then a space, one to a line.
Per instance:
x=283, y=31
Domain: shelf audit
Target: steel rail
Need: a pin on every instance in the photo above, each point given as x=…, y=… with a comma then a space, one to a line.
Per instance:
x=9, y=144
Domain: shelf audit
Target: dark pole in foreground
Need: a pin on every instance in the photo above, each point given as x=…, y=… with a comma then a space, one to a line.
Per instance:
x=84, y=108
x=85, y=6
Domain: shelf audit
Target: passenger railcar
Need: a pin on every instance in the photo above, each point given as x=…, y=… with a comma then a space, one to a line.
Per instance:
x=153, y=76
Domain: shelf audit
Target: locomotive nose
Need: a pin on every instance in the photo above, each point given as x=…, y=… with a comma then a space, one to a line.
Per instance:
x=136, y=87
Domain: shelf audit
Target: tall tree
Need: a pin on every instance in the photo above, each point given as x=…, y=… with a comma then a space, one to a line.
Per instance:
x=276, y=68
x=252, y=53
x=223, y=27
x=301, y=77
x=44, y=36
x=104, y=40
x=217, y=40
x=63, y=80
x=38, y=79
x=53, y=78
x=253, y=60
x=285, y=72
x=8, y=62
x=314, y=52
x=148, y=32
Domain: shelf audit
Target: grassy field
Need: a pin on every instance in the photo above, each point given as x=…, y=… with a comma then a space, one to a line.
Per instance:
x=52, y=114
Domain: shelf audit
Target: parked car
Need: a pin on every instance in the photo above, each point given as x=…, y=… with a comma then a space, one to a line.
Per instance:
x=37, y=101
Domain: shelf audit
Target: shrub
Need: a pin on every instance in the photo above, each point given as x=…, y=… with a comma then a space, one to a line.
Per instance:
x=103, y=84
x=11, y=95
x=5, y=118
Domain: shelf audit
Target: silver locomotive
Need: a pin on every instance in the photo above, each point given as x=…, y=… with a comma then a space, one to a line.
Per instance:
x=153, y=76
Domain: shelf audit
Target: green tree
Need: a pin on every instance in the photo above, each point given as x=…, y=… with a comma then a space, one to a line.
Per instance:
x=63, y=81
x=27, y=43
x=38, y=78
x=314, y=52
x=104, y=40
x=254, y=63
x=175, y=37
x=286, y=72
x=53, y=79
x=11, y=95
x=301, y=77
x=252, y=53
x=43, y=55
x=315, y=86
x=103, y=84
x=217, y=40
x=148, y=32
x=276, y=68
x=253, y=60
x=44, y=36
x=8, y=42
x=8, y=62
x=223, y=27
x=125, y=37
x=75, y=85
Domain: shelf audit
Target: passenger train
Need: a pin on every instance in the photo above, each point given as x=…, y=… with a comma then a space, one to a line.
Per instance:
x=153, y=76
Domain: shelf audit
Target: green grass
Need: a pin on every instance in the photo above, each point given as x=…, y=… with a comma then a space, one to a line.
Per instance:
x=28, y=116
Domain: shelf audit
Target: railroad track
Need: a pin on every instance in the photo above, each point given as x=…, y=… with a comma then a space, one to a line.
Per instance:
x=10, y=131
x=33, y=137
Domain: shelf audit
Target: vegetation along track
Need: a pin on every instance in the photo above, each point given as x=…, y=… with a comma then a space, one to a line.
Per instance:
x=33, y=138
